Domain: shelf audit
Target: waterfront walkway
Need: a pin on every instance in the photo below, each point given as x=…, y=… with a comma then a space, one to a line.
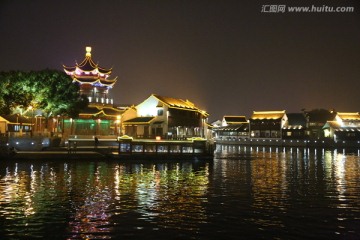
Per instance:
x=124, y=148
x=83, y=152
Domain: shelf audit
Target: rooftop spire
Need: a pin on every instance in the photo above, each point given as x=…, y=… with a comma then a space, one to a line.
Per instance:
x=88, y=52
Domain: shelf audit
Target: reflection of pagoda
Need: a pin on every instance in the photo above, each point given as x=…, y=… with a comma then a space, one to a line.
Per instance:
x=100, y=117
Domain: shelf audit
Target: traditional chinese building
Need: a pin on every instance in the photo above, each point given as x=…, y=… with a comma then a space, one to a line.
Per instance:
x=267, y=124
x=316, y=119
x=228, y=120
x=232, y=128
x=344, y=127
x=15, y=125
x=165, y=117
x=100, y=117
x=296, y=127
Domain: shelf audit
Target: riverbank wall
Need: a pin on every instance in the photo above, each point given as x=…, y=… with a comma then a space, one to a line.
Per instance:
x=273, y=142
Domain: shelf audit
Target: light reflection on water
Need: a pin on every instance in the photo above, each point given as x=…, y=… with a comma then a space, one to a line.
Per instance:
x=247, y=192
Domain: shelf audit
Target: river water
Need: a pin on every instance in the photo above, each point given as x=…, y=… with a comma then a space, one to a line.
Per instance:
x=244, y=193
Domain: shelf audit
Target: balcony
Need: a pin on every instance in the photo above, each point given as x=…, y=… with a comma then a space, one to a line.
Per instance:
x=101, y=100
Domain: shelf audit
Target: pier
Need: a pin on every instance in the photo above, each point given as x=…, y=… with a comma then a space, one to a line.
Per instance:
x=122, y=148
x=126, y=147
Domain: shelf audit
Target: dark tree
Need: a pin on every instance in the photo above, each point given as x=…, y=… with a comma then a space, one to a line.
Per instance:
x=321, y=115
x=52, y=91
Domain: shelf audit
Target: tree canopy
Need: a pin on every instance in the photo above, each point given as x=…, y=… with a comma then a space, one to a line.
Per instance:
x=52, y=91
x=321, y=115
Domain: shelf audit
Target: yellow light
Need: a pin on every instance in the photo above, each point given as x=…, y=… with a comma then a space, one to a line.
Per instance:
x=88, y=51
x=327, y=133
x=158, y=138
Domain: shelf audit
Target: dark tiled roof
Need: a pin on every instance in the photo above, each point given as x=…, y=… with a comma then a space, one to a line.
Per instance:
x=112, y=111
x=235, y=119
x=175, y=102
x=332, y=124
x=320, y=115
x=234, y=127
x=179, y=103
x=296, y=119
x=139, y=120
x=14, y=118
x=92, y=110
x=69, y=69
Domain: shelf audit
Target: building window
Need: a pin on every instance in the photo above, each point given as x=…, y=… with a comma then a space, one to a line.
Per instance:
x=288, y=134
x=160, y=112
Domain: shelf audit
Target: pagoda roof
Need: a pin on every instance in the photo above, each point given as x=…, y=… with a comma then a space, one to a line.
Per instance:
x=88, y=72
x=88, y=65
x=101, y=111
x=94, y=81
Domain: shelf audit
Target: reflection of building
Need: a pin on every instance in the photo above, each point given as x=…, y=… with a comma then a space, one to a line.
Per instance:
x=345, y=127
x=169, y=118
x=100, y=117
x=267, y=124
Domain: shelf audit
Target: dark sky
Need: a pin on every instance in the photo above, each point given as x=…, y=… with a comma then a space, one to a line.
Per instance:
x=227, y=57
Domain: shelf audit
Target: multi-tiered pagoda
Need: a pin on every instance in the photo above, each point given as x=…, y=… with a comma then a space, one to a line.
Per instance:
x=101, y=117
x=94, y=80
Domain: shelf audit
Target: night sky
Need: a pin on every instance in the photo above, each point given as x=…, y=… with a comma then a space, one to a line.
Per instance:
x=228, y=57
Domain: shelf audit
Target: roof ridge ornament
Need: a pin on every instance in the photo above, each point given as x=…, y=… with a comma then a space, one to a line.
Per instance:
x=88, y=51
